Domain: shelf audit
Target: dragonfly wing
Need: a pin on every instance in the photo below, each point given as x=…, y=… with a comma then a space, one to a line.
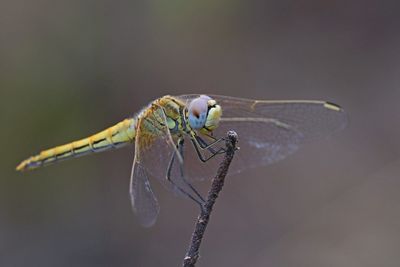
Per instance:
x=313, y=119
x=144, y=202
x=269, y=131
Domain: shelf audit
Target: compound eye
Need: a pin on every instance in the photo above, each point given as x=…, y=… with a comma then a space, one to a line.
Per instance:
x=197, y=110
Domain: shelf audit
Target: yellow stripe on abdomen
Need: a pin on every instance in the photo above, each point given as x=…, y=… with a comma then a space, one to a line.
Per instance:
x=114, y=137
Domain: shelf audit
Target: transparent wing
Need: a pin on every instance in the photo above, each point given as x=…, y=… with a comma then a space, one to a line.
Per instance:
x=144, y=203
x=269, y=131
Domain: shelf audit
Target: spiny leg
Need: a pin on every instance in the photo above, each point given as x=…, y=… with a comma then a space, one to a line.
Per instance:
x=197, y=146
x=183, y=191
x=181, y=168
x=204, y=146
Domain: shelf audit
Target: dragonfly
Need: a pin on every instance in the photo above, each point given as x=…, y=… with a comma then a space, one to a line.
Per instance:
x=179, y=139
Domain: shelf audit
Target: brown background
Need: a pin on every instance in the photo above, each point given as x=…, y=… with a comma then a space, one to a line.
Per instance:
x=69, y=68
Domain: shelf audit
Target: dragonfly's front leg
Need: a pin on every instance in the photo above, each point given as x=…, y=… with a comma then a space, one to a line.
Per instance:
x=199, y=144
x=203, y=144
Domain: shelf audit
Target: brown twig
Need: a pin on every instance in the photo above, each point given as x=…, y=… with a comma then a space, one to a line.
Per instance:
x=192, y=254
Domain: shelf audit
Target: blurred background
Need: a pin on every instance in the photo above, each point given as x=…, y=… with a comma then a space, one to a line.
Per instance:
x=71, y=68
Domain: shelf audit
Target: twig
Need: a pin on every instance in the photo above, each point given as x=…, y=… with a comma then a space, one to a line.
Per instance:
x=192, y=254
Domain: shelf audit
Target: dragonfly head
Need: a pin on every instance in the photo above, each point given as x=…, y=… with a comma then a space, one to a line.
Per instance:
x=204, y=113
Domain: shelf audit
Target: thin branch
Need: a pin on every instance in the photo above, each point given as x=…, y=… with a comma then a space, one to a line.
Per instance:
x=192, y=254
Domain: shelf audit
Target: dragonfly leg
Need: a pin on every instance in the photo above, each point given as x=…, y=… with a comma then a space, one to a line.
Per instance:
x=182, y=190
x=213, y=152
x=180, y=149
x=204, y=146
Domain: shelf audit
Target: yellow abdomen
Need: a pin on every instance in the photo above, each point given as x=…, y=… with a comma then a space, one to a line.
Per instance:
x=114, y=137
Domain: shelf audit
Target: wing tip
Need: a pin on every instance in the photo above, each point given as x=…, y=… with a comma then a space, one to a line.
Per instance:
x=332, y=106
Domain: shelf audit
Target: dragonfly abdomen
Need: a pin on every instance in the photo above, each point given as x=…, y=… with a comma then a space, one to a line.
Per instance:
x=113, y=137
